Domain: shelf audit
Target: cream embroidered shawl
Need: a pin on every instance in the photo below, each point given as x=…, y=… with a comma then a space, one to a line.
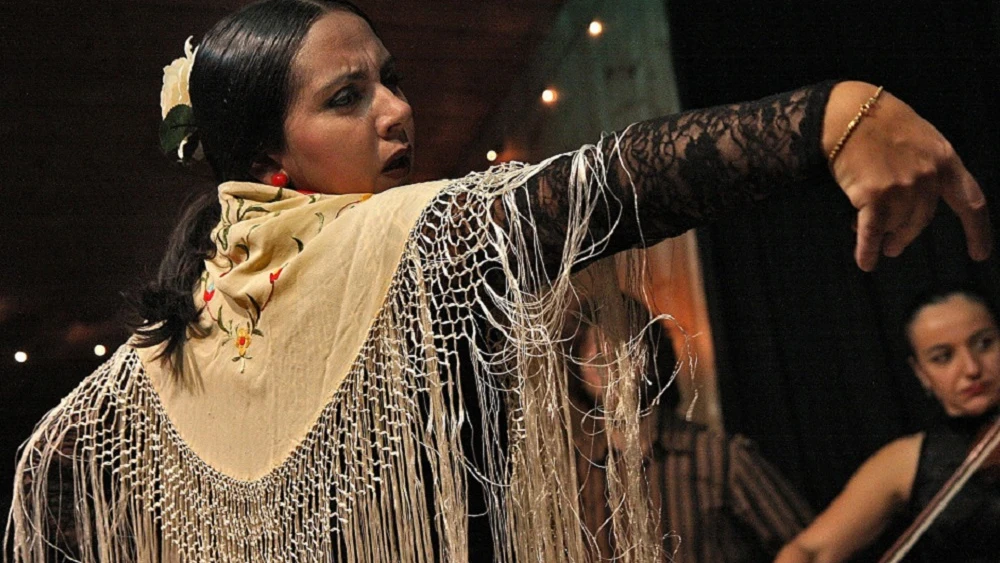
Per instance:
x=324, y=401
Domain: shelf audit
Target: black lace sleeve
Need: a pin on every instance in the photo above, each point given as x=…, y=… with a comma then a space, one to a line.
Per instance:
x=681, y=171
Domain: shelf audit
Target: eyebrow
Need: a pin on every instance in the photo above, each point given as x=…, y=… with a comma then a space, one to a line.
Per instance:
x=362, y=74
x=978, y=334
x=937, y=348
x=982, y=332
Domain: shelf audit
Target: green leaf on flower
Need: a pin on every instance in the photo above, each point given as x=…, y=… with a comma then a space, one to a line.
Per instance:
x=256, y=306
x=221, y=326
x=257, y=332
x=300, y=243
x=277, y=196
x=178, y=124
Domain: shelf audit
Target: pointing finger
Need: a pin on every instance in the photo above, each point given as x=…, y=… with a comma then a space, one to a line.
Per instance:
x=871, y=231
x=969, y=204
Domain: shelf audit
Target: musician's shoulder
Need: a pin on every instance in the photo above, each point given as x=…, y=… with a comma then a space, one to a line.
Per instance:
x=896, y=464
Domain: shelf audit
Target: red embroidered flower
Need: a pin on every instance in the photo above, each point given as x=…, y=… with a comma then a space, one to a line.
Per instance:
x=275, y=274
x=209, y=292
x=242, y=340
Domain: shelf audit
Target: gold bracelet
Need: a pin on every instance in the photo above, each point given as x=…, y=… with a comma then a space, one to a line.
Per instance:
x=865, y=108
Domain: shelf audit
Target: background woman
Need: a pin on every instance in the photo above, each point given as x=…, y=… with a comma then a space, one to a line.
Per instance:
x=955, y=353
x=718, y=498
x=291, y=389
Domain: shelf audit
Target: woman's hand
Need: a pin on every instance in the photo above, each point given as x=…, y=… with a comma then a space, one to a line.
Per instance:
x=893, y=168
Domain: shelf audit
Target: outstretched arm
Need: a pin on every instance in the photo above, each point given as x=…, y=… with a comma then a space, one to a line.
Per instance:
x=854, y=519
x=681, y=171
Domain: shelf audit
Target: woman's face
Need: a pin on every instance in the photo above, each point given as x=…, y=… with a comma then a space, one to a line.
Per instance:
x=957, y=355
x=349, y=127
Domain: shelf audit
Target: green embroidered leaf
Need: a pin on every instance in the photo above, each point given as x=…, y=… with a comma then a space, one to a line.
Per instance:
x=244, y=248
x=277, y=196
x=178, y=124
x=236, y=359
x=224, y=236
x=300, y=243
x=257, y=332
x=219, y=321
x=313, y=198
x=254, y=208
x=256, y=305
x=322, y=220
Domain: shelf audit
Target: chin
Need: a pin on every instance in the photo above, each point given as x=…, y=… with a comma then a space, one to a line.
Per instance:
x=976, y=408
x=386, y=186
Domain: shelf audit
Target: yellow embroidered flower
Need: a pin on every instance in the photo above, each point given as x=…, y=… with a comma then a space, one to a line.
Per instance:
x=243, y=336
x=175, y=80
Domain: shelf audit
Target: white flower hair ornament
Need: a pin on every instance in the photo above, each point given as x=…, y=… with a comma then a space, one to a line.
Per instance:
x=178, y=132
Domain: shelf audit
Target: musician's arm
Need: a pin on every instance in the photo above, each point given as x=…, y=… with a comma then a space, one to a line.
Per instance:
x=854, y=519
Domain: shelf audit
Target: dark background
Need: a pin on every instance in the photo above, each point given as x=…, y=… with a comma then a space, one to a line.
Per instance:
x=810, y=357
x=809, y=360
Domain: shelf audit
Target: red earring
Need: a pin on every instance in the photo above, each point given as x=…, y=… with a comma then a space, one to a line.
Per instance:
x=279, y=179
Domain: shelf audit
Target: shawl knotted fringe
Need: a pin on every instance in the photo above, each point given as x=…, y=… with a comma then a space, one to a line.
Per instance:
x=382, y=475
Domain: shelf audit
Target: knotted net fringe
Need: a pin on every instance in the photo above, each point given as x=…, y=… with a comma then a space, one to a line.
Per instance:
x=382, y=475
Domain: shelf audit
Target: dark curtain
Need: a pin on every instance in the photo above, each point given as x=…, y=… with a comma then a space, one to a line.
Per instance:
x=811, y=361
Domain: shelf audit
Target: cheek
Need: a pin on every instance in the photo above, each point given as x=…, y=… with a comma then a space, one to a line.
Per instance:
x=941, y=379
x=312, y=144
x=991, y=365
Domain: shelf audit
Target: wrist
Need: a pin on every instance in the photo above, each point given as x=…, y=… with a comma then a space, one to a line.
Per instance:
x=846, y=98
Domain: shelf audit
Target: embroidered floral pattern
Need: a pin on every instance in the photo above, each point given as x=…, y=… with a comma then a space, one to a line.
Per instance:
x=235, y=247
x=243, y=339
x=361, y=199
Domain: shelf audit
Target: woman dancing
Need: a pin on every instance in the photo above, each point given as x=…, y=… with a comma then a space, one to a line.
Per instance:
x=332, y=365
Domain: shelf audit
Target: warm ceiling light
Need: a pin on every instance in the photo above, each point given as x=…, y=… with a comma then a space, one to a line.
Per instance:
x=20, y=357
x=100, y=350
x=596, y=28
x=549, y=95
x=491, y=155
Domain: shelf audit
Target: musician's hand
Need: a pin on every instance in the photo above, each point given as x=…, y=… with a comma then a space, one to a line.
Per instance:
x=894, y=168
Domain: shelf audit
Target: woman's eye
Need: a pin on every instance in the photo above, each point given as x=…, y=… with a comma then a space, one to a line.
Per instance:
x=940, y=359
x=344, y=97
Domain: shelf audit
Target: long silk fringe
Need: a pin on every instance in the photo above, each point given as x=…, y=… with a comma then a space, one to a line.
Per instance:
x=354, y=489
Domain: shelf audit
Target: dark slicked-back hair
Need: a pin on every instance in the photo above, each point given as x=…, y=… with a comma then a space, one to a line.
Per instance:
x=939, y=294
x=241, y=82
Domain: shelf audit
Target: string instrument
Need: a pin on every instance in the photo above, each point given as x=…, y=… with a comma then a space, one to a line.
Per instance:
x=984, y=454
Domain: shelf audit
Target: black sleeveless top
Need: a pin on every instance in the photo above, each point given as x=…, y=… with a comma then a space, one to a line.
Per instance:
x=968, y=530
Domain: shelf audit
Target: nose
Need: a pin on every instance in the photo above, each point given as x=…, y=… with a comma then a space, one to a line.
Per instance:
x=971, y=365
x=394, y=113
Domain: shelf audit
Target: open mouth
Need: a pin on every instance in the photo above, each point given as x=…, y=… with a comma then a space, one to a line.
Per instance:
x=399, y=164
